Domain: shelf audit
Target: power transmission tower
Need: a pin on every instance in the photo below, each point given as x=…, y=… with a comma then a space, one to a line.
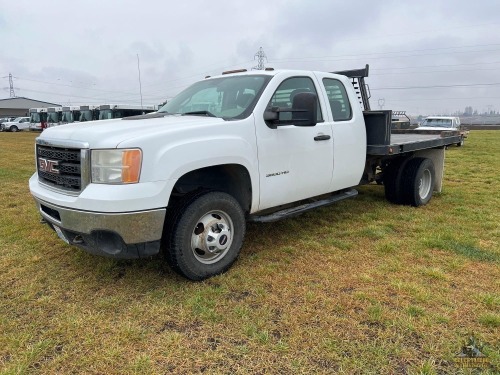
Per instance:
x=381, y=103
x=11, y=84
x=261, y=56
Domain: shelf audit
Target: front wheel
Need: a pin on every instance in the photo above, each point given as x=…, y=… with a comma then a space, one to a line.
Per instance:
x=13, y=128
x=206, y=235
x=461, y=143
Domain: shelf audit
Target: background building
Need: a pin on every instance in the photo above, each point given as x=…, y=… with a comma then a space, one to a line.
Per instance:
x=19, y=106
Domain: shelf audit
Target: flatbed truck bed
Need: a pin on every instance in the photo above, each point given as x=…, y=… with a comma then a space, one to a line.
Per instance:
x=382, y=140
x=401, y=143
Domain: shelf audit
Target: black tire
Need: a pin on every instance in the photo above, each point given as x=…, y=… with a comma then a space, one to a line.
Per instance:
x=461, y=143
x=417, y=181
x=392, y=181
x=13, y=128
x=205, y=235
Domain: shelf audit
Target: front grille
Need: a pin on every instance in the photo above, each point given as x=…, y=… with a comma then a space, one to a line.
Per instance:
x=60, y=167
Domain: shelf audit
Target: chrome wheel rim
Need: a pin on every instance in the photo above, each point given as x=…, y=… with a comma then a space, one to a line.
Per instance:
x=212, y=237
x=424, y=184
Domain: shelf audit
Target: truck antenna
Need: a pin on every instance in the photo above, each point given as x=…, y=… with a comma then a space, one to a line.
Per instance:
x=140, y=84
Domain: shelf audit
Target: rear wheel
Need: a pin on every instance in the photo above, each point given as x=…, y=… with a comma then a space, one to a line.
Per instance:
x=417, y=181
x=392, y=181
x=206, y=235
x=13, y=128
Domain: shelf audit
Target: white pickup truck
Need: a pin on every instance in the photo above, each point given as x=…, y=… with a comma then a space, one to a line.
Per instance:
x=243, y=146
x=18, y=124
x=440, y=123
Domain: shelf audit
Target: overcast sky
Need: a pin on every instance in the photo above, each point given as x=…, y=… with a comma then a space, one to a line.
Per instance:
x=426, y=57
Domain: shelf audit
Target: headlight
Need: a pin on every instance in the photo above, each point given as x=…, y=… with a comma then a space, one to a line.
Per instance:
x=116, y=166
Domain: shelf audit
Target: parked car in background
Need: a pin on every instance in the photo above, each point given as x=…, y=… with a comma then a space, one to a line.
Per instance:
x=19, y=123
x=6, y=119
x=440, y=123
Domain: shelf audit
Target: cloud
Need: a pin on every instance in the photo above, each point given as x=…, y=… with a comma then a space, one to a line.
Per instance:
x=181, y=42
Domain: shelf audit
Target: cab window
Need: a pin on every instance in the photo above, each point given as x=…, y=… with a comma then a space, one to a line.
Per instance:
x=284, y=94
x=338, y=99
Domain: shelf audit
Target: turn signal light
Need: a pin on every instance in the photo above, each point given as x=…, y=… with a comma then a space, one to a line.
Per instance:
x=131, y=166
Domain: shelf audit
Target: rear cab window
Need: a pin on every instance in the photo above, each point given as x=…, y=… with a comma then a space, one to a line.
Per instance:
x=338, y=99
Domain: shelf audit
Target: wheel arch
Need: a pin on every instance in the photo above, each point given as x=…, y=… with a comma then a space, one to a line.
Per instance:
x=233, y=179
x=437, y=157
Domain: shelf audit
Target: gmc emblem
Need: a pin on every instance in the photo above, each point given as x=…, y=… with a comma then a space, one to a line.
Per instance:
x=46, y=165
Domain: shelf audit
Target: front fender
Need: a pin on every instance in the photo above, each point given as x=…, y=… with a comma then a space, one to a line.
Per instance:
x=171, y=155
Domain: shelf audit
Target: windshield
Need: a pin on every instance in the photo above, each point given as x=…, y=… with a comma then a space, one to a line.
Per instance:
x=67, y=116
x=227, y=97
x=17, y=119
x=53, y=117
x=437, y=123
x=35, y=117
x=86, y=115
x=105, y=114
x=38, y=117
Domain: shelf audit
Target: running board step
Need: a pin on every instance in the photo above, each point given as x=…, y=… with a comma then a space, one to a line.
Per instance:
x=294, y=211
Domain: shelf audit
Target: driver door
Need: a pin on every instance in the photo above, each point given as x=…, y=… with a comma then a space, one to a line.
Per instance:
x=294, y=162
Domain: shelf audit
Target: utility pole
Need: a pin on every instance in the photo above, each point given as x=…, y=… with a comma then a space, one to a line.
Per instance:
x=140, y=84
x=260, y=55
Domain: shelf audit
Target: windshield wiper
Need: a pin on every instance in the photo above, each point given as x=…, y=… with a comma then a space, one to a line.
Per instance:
x=203, y=113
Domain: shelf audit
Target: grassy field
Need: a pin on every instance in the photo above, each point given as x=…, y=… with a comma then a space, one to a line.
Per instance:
x=362, y=287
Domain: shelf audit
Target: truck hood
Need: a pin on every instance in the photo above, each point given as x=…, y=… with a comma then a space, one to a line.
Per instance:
x=110, y=133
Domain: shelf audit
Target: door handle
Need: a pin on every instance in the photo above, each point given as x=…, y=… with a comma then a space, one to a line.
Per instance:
x=323, y=137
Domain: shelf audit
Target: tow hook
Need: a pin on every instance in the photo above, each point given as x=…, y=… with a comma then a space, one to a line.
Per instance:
x=77, y=240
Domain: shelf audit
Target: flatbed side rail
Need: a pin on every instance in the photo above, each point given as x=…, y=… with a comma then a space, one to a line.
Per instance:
x=403, y=141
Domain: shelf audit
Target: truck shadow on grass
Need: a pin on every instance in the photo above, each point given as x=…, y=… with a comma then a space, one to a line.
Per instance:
x=260, y=238
x=368, y=216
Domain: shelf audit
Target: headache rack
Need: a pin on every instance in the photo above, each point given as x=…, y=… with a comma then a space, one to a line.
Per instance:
x=361, y=88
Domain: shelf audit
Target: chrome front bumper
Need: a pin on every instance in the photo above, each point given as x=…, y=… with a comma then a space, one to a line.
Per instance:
x=119, y=235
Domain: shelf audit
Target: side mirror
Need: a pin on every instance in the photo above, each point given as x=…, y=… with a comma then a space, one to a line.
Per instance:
x=303, y=112
x=305, y=109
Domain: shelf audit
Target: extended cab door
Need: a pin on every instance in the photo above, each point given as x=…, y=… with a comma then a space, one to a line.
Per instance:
x=294, y=162
x=345, y=117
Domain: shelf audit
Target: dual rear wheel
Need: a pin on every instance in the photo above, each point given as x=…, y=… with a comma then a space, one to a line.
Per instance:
x=410, y=181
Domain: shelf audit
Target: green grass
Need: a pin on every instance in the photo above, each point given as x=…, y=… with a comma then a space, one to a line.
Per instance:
x=363, y=286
